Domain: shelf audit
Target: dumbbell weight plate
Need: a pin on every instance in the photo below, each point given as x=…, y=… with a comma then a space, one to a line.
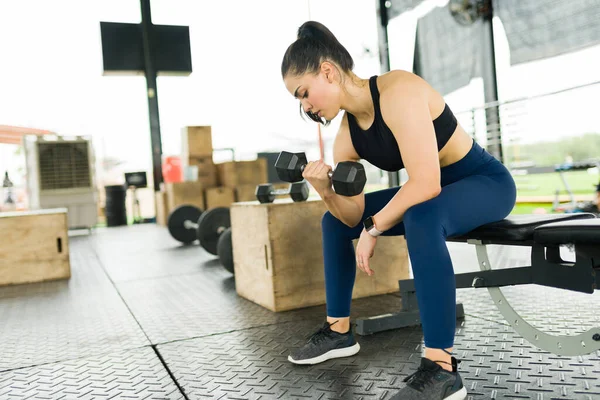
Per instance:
x=176, y=220
x=225, y=250
x=263, y=193
x=299, y=191
x=289, y=166
x=349, y=178
x=211, y=225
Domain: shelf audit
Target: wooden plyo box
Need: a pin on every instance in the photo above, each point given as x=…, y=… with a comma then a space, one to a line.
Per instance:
x=34, y=246
x=196, y=141
x=219, y=197
x=162, y=210
x=235, y=173
x=278, y=256
x=180, y=193
x=207, y=170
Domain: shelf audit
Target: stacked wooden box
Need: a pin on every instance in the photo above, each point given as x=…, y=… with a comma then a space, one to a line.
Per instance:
x=197, y=150
x=242, y=177
x=218, y=185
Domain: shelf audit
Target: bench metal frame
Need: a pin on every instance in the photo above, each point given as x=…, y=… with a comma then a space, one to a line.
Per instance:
x=547, y=269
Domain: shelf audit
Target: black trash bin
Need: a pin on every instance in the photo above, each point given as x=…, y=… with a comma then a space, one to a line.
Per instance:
x=115, y=210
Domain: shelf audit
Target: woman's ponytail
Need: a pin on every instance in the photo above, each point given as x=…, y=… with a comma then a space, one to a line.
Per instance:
x=314, y=44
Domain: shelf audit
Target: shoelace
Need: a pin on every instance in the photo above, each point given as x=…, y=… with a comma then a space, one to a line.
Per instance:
x=419, y=379
x=423, y=376
x=320, y=335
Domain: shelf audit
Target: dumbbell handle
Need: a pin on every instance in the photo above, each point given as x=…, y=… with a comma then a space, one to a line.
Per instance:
x=278, y=192
x=329, y=173
x=187, y=224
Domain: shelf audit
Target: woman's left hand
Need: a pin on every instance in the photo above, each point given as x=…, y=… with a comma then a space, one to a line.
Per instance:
x=364, y=251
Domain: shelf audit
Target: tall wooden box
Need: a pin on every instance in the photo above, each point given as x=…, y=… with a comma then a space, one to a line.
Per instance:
x=34, y=246
x=196, y=141
x=278, y=256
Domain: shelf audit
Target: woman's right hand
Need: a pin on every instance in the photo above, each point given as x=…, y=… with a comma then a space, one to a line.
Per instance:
x=316, y=173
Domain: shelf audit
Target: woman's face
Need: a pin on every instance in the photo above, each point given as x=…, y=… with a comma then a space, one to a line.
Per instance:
x=318, y=93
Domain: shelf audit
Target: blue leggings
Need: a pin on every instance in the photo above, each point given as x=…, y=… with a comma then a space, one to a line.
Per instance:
x=476, y=190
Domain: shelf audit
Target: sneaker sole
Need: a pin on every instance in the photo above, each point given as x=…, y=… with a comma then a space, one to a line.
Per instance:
x=460, y=395
x=337, y=353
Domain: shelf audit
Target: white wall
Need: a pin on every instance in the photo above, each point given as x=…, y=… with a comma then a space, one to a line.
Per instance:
x=54, y=80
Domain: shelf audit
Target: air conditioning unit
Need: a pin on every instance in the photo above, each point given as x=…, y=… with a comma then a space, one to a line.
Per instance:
x=61, y=173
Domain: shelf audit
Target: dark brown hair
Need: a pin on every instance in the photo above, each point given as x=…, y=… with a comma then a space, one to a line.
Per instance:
x=314, y=44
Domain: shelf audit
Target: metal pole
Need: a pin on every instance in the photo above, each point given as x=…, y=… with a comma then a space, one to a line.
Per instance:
x=384, y=62
x=155, y=137
x=490, y=85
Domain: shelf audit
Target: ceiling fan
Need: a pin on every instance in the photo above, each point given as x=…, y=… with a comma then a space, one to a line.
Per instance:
x=466, y=12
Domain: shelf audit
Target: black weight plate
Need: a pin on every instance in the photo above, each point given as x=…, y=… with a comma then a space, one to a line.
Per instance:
x=299, y=191
x=263, y=193
x=289, y=166
x=349, y=178
x=225, y=250
x=176, y=223
x=211, y=224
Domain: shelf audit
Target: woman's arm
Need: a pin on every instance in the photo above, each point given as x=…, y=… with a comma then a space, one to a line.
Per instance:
x=348, y=210
x=405, y=109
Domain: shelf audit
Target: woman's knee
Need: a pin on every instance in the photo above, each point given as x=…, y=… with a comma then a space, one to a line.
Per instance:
x=330, y=223
x=423, y=217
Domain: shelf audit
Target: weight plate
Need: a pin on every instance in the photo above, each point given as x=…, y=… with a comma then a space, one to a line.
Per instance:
x=349, y=178
x=211, y=225
x=225, y=250
x=289, y=166
x=176, y=223
x=263, y=193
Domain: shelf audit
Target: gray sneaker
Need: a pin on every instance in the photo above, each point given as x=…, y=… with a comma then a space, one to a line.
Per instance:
x=324, y=345
x=432, y=382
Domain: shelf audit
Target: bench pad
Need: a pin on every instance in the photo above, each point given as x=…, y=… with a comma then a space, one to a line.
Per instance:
x=585, y=231
x=519, y=228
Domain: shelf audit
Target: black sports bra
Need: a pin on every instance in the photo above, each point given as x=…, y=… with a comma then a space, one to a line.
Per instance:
x=378, y=146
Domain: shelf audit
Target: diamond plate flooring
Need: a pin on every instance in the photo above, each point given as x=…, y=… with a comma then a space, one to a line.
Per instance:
x=252, y=364
x=60, y=320
x=134, y=374
x=133, y=253
x=185, y=306
x=145, y=317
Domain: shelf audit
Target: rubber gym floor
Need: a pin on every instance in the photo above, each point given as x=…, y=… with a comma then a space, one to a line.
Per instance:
x=143, y=317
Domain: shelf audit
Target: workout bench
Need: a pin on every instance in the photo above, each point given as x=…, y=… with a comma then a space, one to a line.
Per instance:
x=545, y=234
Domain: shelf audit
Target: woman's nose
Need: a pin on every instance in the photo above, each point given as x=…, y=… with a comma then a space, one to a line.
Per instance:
x=306, y=106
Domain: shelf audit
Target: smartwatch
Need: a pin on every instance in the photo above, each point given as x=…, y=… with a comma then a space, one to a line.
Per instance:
x=370, y=227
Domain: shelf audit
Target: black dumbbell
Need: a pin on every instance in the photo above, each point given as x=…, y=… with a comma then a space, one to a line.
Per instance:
x=349, y=177
x=298, y=191
x=182, y=223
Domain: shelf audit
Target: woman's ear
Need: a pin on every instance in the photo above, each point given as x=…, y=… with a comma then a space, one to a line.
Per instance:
x=328, y=71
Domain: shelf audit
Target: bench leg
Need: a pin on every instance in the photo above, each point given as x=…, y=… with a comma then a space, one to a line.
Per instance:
x=563, y=345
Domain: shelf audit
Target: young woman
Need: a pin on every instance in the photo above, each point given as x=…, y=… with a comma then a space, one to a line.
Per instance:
x=394, y=121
